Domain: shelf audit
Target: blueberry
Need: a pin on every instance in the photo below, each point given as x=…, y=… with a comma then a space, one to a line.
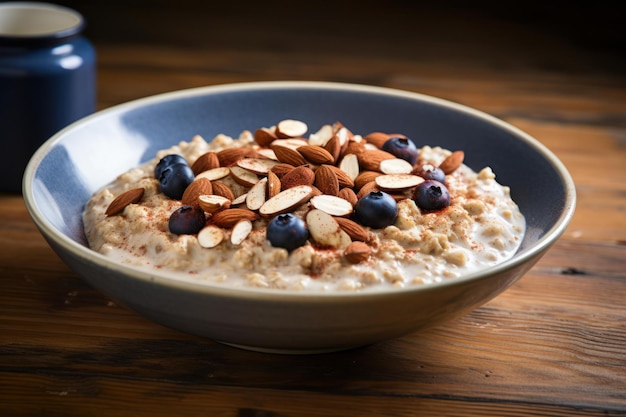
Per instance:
x=431, y=172
x=287, y=231
x=166, y=161
x=377, y=210
x=174, y=180
x=431, y=195
x=187, y=220
x=401, y=147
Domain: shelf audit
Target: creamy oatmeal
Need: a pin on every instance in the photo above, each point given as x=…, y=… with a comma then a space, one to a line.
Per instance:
x=373, y=213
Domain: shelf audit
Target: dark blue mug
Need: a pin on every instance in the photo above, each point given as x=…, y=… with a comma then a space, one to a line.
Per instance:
x=47, y=80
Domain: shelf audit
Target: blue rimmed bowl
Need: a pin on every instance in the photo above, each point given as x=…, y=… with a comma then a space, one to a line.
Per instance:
x=88, y=154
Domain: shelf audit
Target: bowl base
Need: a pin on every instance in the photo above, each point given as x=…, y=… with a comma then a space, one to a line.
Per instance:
x=279, y=351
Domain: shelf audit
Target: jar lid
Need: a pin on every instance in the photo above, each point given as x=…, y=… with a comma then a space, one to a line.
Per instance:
x=35, y=23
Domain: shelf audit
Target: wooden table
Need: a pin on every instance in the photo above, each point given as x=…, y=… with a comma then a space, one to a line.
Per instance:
x=553, y=344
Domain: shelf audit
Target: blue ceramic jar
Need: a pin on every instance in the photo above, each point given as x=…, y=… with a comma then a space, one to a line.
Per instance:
x=47, y=80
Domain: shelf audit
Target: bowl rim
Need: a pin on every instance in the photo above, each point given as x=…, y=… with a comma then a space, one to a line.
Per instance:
x=169, y=279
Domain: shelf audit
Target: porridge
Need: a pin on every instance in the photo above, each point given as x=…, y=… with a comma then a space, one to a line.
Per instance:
x=333, y=210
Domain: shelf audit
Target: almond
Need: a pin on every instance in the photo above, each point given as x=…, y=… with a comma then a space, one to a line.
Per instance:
x=210, y=236
x=343, y=135
x=397, y=182
x=267, y=153
x=230, y=156
x=243, y=176
x=355, y=148
x=229, y=217
x=325, y=230
x=366, y=189
x=377, y=138
x=290, y=128
x=205, y=162
x=369, y=160
x=316, y=154
x=213, y=203
x=350, y=165
x=221, y=189
x=344, y=179
x=452, y=162
x=198, y=187
x=288, y=155
x=322, y=136
x=395, y=166
x=258, y=166
x=335, y=206
x=326, y=180
x=301, y=175
x=120, y=202
x=273, y=184
x=264, y=136
x=257, y=195
x=333, y=147
x=357, y=252
x=353, y=229
x=349, y=195
x=214, y=174
x=281, y=169
x=240, y=232
x=364, y=177
x=239, y=200
x=287, y=200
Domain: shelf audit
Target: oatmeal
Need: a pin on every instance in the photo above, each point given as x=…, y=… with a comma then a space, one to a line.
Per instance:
x=331, y=211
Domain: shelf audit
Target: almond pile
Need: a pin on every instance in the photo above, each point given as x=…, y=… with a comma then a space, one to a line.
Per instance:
x=324, y=175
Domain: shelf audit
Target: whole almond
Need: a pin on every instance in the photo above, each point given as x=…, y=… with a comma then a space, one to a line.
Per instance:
x=223, y=190
x=316, y=154
x=281, y=169
x=357, y=252
x=333, y=147
x=264, y=136
x=326, y=180
x=288, y=155
x=344, y=179
x=205, y=162
x=364, y=177
x=230, y=156
x=301, y=175
x=198, y=187
x=369, y=160
x=353, y=229
x=229, y=217
x=377, y=138
x=366, y=189
x=349, y=195
x=120, y=202
x=452, y=162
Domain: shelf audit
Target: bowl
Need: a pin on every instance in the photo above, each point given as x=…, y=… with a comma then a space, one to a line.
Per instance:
x=88, y=154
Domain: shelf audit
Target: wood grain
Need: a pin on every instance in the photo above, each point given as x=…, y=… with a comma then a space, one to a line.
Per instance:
x=551, y=345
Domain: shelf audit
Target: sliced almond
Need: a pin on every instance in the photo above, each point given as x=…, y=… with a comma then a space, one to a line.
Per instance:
x=264, y=136
x=293, y=143
x=229, y=217
x=120, y=202
x=239, y=200
x=214, y=174
x=230, y=156
x=243, y=176
x=257, y=195
x=335, y=206
x=210, y=236
x=288, y=155
x=353, y=229
x=259, y=166
x=301, y=175
x=240, y=231
x=199, y=186
x=350, y=165
x=290, y=128
x=452, y=162
x=326, y=180
x=205, y=162
x=349, y=195
x=267, y=153
x=273, y=184
x=395, y=182
x=395, y=166
x=221, y=189
x=287, y=200
x=370, y=159
x=213, y=203
x=357, y=252
x=325, y=230
x=316, y=154
x=322, y=136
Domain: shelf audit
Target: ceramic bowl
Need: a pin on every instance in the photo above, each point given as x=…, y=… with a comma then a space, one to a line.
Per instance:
x=85, y=156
